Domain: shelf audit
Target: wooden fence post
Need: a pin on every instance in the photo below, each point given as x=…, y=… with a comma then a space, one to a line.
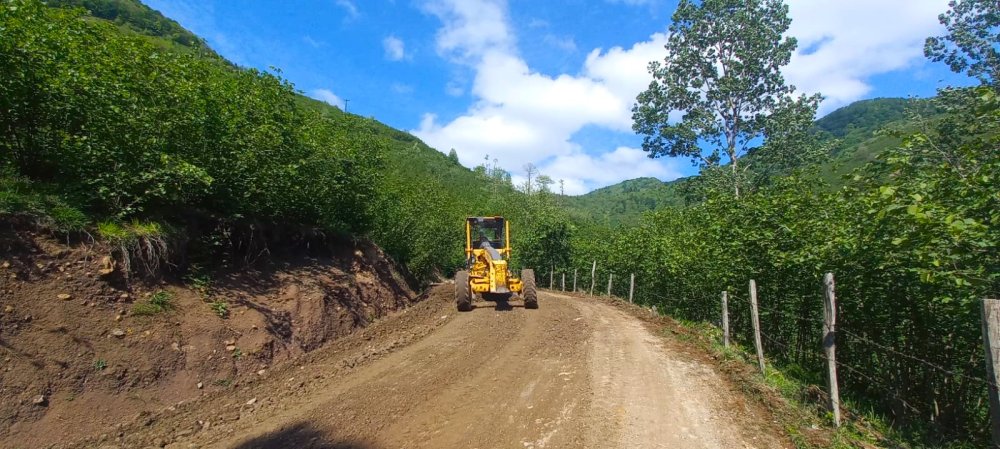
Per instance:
x=563, y=284
x=574, y=279
x=725, y=319
x=991, y=343
x=551, y=271
x=593, y=279
x=610, y=275
x=631, y=288
x=756, y=325
x=830, y=345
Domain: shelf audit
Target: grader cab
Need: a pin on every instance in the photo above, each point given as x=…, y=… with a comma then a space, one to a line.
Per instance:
x=487, y=272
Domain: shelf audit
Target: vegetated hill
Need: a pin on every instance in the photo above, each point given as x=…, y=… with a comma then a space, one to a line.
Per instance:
x=624, y=203
x=137, y=17
x=411, y=153
x=854, y=129
x=858, y=121
x=268, y=160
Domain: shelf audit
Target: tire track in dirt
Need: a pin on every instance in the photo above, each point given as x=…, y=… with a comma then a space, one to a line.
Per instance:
x=574, y=373
x=651, y=398
x=490, y=378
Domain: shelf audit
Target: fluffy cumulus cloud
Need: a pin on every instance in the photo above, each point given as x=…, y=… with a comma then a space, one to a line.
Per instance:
x=845, y=42
x=522, y=116
x=519, y=115
x=395, y=49
x=328, y=97
x=471, y=27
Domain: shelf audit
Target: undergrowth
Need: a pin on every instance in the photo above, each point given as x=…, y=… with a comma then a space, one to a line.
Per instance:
x=160, y=301
x=145, y=242
x=49, y=211
x=804, y=415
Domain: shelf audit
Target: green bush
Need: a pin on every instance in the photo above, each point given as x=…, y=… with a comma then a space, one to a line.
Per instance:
x=131, y=130
x=911, y=240
x=157, y=303
x=221, y=308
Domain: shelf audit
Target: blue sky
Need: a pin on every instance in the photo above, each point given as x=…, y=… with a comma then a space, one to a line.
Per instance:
x=542, y=82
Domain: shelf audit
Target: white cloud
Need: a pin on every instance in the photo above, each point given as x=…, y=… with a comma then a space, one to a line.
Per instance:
x=522, y=116
x=349, y=8
x=471, y=27
x=566, y=44
x=843, y=43
x=519, y=115
x=608, y=168
x=395, y=49
x=624, y=71
x=328, y=97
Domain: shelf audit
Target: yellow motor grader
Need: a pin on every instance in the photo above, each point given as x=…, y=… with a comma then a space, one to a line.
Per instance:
x=487, y=272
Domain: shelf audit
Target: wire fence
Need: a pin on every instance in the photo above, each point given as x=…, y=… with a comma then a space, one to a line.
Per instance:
x=871, y=373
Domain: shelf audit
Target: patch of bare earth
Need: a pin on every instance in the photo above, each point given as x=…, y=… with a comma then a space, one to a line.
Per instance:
x=574, y=373
x=336, y=352
x=76, y=362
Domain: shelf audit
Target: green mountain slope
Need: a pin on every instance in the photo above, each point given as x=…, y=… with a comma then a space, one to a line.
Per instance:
x=224, y=173
x=624, y=203
x=858, y=121
x=853, y=131
x=139, y=18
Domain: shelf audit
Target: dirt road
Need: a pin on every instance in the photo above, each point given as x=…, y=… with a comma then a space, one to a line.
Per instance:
x=575, y=373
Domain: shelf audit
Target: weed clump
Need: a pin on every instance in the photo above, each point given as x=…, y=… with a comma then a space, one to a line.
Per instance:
x=159, y=302
x=142, y=241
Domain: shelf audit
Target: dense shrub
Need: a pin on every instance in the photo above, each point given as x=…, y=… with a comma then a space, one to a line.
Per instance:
x=123, y=128
x=912, y=241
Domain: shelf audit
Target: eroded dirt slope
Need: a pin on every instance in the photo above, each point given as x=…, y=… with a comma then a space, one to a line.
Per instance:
x=575, y=373
x=76, y=360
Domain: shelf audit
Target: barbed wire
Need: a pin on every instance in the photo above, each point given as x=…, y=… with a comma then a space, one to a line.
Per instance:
x=791, y=315
x=871, y=379
x=803, y=352
x=915, y=358
x=882, y=385
x=799, y=351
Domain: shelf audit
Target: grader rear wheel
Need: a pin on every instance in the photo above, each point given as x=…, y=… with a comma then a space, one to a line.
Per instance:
x=529, y=292
x=463, y=293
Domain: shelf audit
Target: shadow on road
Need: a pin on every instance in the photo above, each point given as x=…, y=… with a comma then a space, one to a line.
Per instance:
x=301, y=436
x=499, y=306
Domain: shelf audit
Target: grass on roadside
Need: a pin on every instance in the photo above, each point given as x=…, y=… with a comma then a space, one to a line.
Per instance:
x=157, y=303
x=799, y=406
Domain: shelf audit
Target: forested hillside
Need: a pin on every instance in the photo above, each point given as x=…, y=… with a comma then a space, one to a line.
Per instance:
x=852, y=136
x=111, y=133
x=134, y=16
x=910, y=235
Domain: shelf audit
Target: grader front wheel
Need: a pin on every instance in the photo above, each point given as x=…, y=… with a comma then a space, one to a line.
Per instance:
x=463, y=294
x=529, y=292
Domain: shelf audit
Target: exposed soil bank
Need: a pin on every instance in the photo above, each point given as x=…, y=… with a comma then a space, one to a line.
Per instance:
x=76, y=359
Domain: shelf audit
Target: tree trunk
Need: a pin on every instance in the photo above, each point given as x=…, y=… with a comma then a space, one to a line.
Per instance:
x=733, y=164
